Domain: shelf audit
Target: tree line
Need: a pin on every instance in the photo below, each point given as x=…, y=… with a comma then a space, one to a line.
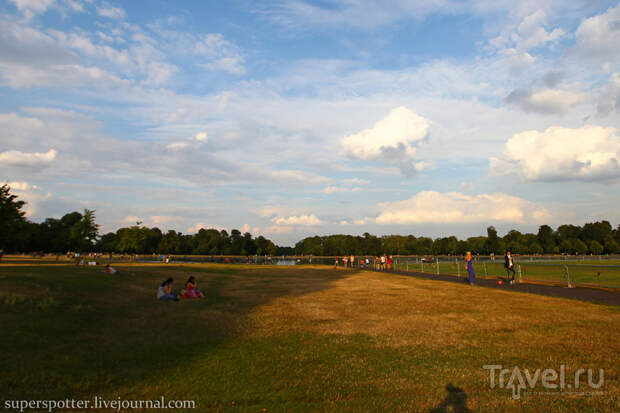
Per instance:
x=78, y=232
x=595, y=238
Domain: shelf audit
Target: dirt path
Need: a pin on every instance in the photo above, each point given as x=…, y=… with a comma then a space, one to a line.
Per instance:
x=577, y=293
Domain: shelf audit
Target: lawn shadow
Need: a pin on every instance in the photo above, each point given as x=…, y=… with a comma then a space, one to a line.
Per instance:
x=109, y=336
x=455, y=401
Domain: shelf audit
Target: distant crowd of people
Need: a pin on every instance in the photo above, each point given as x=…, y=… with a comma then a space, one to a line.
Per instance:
x=380, y=262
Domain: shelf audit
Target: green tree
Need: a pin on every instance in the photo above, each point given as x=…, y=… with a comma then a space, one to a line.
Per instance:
x=535, y=248
x=579, y=246
x=83, y=233
x=597, y=231
x=11, y=217
x=611, y=246
x=545, y=238
x=493, y=243
x=596, y=248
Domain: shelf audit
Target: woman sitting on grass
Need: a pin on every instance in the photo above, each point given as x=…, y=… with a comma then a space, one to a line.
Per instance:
x=191, y=289
x=165, y=291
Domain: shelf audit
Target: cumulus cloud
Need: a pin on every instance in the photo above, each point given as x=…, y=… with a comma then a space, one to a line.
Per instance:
x=558, y=154
x=32, y=194
x=302, y=220
x=201, y=136
x=455, y=207
x=546, y=100
x=17, y=158
x=531, y=32
x=393, y=139
x=598, y=37
x=609, y=97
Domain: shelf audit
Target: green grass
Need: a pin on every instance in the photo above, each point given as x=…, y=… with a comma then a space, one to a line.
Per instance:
x=290, y=339
x=601, y=273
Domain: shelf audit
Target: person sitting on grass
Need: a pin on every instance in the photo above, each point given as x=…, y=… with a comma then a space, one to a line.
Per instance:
x=110, y=270
x=191, y=289
x=165, y=291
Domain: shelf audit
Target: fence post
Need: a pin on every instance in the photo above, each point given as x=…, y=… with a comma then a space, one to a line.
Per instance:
x=458, y=268
x=437, y=264
x=567, y=276
x=520, y=277
x=407, y=265
x=485, y=269
x=422, y=261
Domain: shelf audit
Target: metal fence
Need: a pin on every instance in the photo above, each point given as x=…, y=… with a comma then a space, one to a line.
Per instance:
x=591, y=271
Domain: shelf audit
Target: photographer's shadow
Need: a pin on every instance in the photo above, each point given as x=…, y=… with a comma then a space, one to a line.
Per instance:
x=455, y=401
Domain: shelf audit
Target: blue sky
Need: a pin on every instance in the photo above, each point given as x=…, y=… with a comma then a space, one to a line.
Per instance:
x=295, y=118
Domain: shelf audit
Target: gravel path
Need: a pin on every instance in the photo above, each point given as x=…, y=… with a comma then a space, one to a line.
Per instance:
x=578, y=293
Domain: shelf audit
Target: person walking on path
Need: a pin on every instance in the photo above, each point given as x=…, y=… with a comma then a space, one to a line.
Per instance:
x=509, y=265
x=469, y=265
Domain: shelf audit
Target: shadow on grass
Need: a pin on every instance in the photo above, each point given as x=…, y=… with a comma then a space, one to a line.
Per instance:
x=455, y=401
x=108, y=336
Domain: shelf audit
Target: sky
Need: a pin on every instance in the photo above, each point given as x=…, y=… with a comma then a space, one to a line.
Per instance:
x=296, y=118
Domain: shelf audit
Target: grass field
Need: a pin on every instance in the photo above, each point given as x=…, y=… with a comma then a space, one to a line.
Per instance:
x=293, y=339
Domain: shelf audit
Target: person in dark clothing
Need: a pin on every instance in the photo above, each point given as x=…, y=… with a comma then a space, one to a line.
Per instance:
x=509, y=265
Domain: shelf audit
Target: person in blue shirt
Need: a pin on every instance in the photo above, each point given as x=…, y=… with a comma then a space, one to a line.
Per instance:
x=469, y=265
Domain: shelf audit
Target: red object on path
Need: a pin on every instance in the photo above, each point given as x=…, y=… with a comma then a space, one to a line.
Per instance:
x=500, y=282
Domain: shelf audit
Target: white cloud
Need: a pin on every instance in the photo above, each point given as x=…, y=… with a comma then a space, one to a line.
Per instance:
x=111, y=12
x=295, y=177
x=161, y=219
x=520, y=62
x=363, y=221
x=18, y=158
x=177, y=145
x=544, y=100
x=336, y=189
x=21, y=186
x=248, y=228
x=303, y=220
x=598, y=37
x=32, y=194
x=428, y=207
x=355, y=181
x=558, y=153
x=60, y=75
x=277, y=229
x=74, y=5
x=131, y=219
x=609, y=97
x=532, y=33
x=392, y=139
x=222, y=55
x=201, y=136
x=32, y=7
